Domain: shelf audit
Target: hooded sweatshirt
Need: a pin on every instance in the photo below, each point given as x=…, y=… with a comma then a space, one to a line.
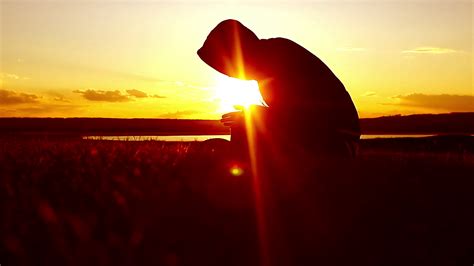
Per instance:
x=303, y=94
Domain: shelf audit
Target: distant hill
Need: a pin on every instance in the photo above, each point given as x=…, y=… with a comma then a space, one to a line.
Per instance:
x=110, y=126
x=452, y=123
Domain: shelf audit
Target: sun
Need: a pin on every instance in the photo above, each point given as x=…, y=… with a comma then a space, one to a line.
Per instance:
x=231, y=92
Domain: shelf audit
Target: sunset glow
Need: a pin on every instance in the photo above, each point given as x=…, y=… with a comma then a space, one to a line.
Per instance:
x=236, y=132
x=235, y=92
x=127, y=59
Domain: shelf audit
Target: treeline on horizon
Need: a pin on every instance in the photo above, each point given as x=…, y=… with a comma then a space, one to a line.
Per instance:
x=451, y=123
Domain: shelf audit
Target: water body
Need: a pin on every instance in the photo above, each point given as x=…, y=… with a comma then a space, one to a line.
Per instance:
x=160, y=138
x=226, y=137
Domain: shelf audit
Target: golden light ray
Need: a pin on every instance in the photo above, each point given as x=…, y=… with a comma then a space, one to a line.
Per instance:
x=238, y=53
x=252, y=148
x=256, y=184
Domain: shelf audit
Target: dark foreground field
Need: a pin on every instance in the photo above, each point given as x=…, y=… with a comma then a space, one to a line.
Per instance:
x=73, y=202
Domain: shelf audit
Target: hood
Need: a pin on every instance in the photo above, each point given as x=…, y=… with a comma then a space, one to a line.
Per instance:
x=230, y=48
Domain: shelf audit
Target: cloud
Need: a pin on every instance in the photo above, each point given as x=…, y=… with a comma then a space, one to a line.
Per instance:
x=430, y=50
x=137, y=93
x=17, y=104
x=179, y=114
x=57, y=96
x=8, y=97
x=369, y=93
x=141, y=94
x=12, y=76
x=157, y=96
x=445, y=102
x=61, y=99
x=114, y=96
x=103, y=96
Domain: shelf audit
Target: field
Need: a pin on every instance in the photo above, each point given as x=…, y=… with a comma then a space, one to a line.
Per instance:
x=78, y=202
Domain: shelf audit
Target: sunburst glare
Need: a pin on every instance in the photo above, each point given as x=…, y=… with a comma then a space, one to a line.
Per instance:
x=232, y=91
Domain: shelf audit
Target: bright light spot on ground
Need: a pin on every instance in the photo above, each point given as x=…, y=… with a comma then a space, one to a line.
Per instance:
x=232, y=91
x=236, y=170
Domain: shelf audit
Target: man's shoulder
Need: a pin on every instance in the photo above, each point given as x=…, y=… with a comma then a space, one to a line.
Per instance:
x=286, y=47
x=279, y=41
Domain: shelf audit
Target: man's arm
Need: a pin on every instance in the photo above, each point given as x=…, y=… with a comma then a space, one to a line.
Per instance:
x=237, y=118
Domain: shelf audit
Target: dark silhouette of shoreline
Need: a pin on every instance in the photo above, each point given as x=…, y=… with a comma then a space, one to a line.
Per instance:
x=110, y=126
x=450, y=123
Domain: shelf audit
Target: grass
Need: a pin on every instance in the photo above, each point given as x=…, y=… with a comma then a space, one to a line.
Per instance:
x=79, y=202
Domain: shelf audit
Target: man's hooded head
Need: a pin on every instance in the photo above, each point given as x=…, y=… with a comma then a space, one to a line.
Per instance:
x=231, y=48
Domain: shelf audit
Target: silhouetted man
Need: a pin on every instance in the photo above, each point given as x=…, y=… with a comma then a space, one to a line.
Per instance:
x=308, y=106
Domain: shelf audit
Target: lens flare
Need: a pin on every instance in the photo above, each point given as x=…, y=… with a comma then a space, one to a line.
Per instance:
x=236, y=170
x=251, y=121
x=231, y=92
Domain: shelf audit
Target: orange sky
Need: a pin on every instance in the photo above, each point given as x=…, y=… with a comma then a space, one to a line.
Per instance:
x=138, y=58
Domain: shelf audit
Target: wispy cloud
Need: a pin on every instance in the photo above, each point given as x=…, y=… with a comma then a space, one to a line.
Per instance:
x=103, y=96
x=430, y=50
x=57, y=96
x=8, y=97
x=141, y=94
x=115, y=95
x=445, y=102
x=137, y=93
x=179, y=114
x=369, y=94
x=11, y=76
x=61, y=99
x=20, y=104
